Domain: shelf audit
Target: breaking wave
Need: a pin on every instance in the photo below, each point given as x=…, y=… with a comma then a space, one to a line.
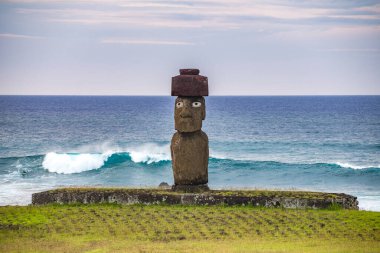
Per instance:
x=356, y=167
x=73, y=162
x=68, y=163
x=150, y=153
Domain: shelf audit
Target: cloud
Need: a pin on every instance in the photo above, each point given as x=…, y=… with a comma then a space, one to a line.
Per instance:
x=17, y=36
x=353, y=50
x=140, y=17
x=145, y=42
x=221, y=14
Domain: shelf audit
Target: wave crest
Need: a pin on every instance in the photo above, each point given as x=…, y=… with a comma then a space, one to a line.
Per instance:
x=150, y=153
x=355, y=167
x=69, y=163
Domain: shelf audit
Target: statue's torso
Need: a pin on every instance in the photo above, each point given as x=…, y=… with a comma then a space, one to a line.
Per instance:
x=190, y=158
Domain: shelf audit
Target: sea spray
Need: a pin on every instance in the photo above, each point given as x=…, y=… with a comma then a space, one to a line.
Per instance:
x=69, y=163
x=73, y=162
x=150, y=153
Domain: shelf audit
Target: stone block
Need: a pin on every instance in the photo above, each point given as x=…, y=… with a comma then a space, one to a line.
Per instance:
x=189, y=84
x=189, y=71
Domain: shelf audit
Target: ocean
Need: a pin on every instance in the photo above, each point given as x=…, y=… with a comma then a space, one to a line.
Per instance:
x=316, y=143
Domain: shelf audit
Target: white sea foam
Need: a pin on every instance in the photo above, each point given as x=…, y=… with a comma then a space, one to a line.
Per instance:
x=355, y=167
x=286, y=160
x=150, y=153
x=73, y=162
x=371, y=203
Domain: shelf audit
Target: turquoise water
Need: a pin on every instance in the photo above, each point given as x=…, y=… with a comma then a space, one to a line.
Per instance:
x=327, y=144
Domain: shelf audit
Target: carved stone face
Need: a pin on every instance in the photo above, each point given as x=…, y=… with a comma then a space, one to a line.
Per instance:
x=189, y=113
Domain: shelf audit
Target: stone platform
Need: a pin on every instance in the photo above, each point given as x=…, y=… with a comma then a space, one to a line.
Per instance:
x=260, y=198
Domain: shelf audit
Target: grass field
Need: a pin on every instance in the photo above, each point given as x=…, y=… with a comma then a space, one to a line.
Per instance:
x=160, y=228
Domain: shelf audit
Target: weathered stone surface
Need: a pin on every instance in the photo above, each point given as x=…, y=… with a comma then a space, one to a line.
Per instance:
x=189, y=146
x=190, y=188
x=189, y=71
x=283, y=199
x=189, y=85
x=164, y=185
x=189, y=113
x=190, y=158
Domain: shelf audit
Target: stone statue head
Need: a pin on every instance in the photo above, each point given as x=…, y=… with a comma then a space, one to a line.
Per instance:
x=189, y=113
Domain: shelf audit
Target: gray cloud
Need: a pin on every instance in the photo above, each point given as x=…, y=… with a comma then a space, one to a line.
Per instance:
x=18, y=36
x=145, y=42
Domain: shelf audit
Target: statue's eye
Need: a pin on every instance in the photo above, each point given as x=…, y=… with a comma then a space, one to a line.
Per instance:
x=196, y=104
x=179, y=104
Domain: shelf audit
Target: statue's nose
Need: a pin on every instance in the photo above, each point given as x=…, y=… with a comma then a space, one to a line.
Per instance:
x=185, y=113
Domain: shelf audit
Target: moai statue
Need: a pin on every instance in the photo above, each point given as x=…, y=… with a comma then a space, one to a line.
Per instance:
x=189, y=145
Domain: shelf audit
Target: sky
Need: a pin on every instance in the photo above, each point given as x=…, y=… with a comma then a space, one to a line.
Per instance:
x=99, y=47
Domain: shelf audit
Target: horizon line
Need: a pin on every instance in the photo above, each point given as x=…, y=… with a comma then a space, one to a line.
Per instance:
x=251, y=95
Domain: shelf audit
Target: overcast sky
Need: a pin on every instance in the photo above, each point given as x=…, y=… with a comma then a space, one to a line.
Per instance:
x=99, y=47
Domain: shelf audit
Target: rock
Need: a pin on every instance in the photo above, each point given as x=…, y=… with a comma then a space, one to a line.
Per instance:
x=196, y=195
x=164, y=185
x=189, y=85
x=189, y=71
x=190, y=158
x=191, y=188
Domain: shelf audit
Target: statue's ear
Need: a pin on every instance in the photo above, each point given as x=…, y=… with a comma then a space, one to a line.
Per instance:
x=203, y=109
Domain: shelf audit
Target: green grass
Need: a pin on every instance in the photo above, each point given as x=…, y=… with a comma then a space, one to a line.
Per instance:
x=138, y=228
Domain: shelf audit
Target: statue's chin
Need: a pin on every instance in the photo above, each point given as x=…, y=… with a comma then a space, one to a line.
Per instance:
x=187, y=127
